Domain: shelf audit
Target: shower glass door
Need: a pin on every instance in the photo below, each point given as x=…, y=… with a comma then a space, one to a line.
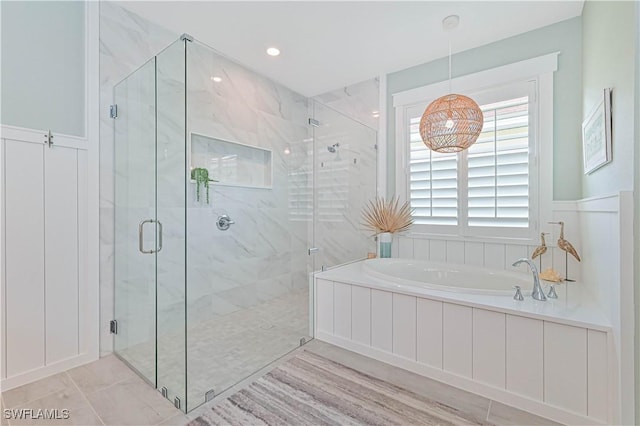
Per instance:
x=150, y=222
x=135, y=237
x=345, y=181
x=248, y=287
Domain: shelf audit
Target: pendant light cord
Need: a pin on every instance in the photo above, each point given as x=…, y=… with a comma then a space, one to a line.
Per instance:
x=449, y=65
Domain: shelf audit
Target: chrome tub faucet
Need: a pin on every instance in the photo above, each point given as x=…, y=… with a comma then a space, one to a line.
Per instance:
x=537, y=292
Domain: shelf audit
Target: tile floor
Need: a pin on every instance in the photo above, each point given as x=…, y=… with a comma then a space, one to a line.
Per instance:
x=108, y=392
x=103, y=392
x=227, y=349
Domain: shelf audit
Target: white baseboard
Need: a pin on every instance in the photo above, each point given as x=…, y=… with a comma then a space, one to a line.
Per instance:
x=518, y=401
x=46, y=371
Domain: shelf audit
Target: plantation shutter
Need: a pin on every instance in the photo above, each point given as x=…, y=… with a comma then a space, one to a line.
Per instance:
x=498, y=167
x=433, y=182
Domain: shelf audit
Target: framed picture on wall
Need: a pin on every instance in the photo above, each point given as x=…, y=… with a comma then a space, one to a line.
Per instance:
x=596, y=135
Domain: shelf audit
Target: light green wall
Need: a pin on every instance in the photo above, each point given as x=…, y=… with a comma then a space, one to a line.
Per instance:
x=564, y=37
x=608, y=61
x=43, y=61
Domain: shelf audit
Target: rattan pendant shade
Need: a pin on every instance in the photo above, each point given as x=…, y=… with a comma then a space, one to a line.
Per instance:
x=451, y=123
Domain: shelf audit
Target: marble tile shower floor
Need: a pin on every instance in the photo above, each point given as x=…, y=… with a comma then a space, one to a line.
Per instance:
x=224, y=350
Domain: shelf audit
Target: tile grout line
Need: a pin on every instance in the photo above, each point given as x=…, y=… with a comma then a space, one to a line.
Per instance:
x=85, y=398
x=22, y=404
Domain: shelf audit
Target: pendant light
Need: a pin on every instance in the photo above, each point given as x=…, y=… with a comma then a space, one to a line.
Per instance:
x=453, y=122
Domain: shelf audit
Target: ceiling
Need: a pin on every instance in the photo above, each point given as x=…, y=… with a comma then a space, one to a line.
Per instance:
x=326, y=45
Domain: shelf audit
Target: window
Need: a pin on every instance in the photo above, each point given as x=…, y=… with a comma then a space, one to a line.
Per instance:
x=490, y=189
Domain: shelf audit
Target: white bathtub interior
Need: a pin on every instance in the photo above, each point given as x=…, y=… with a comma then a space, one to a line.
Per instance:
x=446, y=276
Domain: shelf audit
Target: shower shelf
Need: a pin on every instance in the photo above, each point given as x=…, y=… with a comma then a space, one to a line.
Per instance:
x=231, y=163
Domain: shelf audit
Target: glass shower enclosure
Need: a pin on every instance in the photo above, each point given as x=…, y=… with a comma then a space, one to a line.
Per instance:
x=222, y=191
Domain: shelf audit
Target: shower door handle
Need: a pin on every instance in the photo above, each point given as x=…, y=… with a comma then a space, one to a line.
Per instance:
x=141, y=237
x=159, y=235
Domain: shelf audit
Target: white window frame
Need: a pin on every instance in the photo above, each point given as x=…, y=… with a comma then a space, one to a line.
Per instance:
x=538, y=71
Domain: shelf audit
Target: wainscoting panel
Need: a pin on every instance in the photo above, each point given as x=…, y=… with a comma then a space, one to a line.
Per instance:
x=381, y=320
x=524, y=356
x=597, y=379
x=324, y=301
x=556, y=370
x=342, y=310
x=429, y=332
x=565, y=361
x=489, y=347
x=361, y=314
x=404, y=326
x=457, y=339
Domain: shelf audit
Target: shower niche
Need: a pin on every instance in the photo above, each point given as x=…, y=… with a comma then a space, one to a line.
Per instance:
x=232, y=163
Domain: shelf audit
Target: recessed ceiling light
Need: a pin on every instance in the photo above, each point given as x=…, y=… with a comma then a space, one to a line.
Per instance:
x=216, y=79
x=273, y=51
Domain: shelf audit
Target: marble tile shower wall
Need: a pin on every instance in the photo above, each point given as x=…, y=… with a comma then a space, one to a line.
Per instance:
x=345, y=181
x=360, y=101
x=263, y=255
x=126, y=42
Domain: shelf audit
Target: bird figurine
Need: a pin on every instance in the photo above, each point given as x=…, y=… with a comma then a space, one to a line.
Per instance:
x=542, y=248
x=564, y=244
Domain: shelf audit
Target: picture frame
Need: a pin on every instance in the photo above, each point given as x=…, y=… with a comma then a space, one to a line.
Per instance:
x=596, y=135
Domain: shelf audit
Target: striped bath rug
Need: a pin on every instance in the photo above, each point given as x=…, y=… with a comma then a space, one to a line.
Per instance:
x=312, y=390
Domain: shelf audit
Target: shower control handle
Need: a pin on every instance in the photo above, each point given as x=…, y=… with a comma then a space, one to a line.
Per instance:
x=224, y=222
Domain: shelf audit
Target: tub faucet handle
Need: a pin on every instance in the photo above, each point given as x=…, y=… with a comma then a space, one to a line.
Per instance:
x=518, y=295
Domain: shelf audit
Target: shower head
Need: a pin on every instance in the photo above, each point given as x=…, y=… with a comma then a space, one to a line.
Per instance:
x=333, y=148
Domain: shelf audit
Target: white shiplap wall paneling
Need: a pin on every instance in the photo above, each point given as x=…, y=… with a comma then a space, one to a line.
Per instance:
x=455, y=252
x=395, y=247
x=565, y=366
x=597, y=378
x=324, y=303
x=421, y=249
x=342, y=310
x=494, y=256
x=474, y=253
x=438, y=250
x=381, y=320
x=361, y=315
x=489, y=347
x=524, y=356
x=404, y=326
x=429, y=332
x=513, y=252
x=405, y=248
x=87, y=328
x=457, y=339
x=61, y=253
x=24, y=257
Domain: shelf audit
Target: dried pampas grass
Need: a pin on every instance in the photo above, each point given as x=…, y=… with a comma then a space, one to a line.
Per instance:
x=387, y=216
